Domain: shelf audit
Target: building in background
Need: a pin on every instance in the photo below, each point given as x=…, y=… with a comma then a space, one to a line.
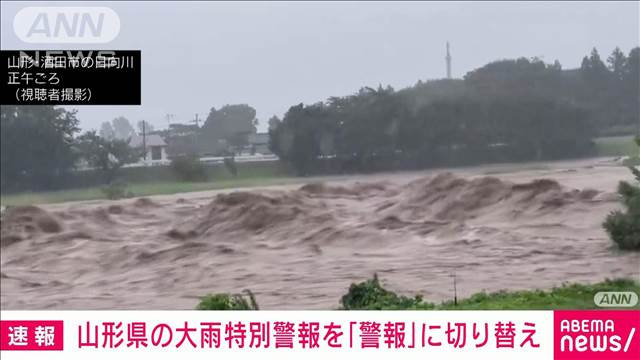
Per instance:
x=259, y=143
x=155, y=149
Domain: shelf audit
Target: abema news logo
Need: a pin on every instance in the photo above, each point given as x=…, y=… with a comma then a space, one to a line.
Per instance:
x=597, y=335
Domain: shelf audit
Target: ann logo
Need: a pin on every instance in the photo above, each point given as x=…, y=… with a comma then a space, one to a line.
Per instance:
x=66, y=24
x=616, y=299
x=61, y=25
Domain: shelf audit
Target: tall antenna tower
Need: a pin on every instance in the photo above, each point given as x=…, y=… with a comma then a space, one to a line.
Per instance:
x=448, y=59
x=169, y=118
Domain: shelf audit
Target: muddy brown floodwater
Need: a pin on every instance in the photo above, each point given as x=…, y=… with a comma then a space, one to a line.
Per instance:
x=299, y=247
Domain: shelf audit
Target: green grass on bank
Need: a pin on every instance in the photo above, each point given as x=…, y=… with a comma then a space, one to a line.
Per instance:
x=154, y=180
x=138, y=189
x=616, y=146
x=568, y=296
x=371, y=295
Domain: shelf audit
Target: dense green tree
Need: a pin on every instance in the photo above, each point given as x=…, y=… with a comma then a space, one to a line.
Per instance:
x=520, y=77
x=508, y=110
x=106, y=155
x=594, y=70
x=274, y=121
x=122, y=128
x=624, y=226
x=381, y=129
x=631, y=90
x=610, y=92
x=296, y=140
x=632, y=65
x=617, y=63
x=106, y=131
x=36, y=146
x=230, y=125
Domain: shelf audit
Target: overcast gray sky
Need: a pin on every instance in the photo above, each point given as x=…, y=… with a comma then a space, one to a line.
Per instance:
x=196, y=55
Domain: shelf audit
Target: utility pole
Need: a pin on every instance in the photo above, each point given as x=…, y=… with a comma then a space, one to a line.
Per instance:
x=144, y=139
x=197, y=121
x=169, y=118
x=448, y=60
x=195, y=135
x=455, y=290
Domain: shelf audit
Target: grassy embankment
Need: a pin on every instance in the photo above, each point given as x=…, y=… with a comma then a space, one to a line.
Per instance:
x=141, y=189
x=616, y=146
x=569, y=296
x=161, y=181
x=370, y=295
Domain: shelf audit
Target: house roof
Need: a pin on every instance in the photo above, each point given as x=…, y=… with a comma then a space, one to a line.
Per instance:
x=151, y=140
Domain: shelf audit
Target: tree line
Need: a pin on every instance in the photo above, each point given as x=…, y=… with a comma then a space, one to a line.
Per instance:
x=508, y=110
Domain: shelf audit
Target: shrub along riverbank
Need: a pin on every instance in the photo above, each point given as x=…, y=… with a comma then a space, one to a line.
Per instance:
x=371, y=295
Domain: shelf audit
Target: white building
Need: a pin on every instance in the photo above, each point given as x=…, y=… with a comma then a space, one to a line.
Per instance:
x=155, y=149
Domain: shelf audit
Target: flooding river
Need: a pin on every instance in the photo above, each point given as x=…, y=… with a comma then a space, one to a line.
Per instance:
x=300, y=246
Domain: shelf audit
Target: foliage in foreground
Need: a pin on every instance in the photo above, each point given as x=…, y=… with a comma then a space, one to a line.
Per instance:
x=116, y=190
x=245, y=301
x=624, y=227
x=631, y=161
x=568, y=296
x=189, y=168
x=370, y=295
